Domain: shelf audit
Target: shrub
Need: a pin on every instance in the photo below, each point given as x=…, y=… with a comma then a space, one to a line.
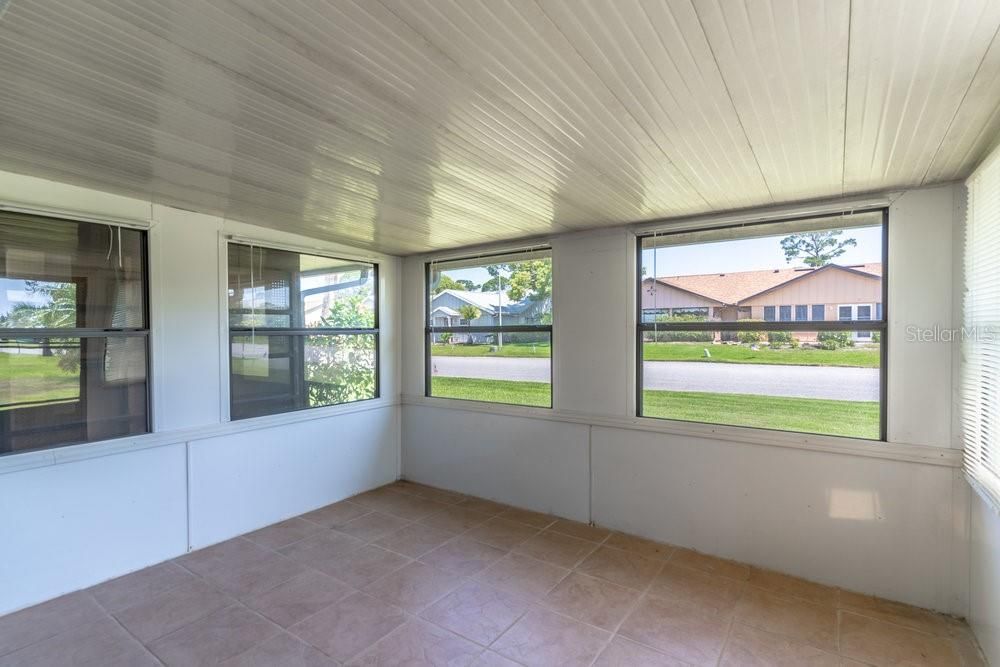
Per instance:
x=834, y=340
x=750, y=337
x=680, y=336
x=779, y=338
x=445, y=337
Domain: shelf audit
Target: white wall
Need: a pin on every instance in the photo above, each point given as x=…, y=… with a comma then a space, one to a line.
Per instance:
x=985, y=588
x=890, y=519
x=74, y=516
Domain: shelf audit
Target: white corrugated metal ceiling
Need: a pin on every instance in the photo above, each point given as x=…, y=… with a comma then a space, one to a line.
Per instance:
x=410, y=125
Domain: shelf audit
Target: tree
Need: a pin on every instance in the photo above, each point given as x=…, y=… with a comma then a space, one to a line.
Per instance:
x=57, y=312
x=469, y=312
x=340, y=369
x=816, y=248
x=468, y=285
x=447, y=282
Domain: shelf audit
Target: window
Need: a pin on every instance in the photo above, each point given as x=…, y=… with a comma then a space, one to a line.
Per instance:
x=73, y=332
x=980, y=368
x=777, y=369
x=303, y=331
x=499, y=346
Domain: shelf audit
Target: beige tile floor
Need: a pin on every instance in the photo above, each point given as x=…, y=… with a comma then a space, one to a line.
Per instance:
x=407, y=574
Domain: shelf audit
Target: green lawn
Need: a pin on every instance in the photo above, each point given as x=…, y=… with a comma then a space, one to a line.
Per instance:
x=34, y=378
x=864, y=357
x=508, y=350
x=856, y=419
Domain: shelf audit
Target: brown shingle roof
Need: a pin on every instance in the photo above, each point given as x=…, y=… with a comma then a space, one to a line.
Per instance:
x=732, y=288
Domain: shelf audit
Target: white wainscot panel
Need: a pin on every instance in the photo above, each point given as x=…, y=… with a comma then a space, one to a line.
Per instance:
x=69, y=526
x=532, y=463
x=244, y=481
x=985, y=590
x=875, y=526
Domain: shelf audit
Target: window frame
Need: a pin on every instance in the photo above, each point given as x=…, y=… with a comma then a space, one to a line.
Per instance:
x=302, y=332
x=880, y=326
x=97, y=332
x=430, y=329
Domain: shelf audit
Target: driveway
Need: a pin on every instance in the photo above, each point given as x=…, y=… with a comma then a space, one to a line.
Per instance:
x=834, y=382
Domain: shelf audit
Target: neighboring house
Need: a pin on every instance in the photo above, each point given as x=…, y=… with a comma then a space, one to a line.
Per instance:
x=495, y=309
x=831, y=292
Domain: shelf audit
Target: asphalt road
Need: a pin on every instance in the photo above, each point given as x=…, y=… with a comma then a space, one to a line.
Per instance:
x=835, y=382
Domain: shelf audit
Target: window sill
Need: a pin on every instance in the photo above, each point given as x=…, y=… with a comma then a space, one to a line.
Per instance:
x=19, y=461
x=938, y=456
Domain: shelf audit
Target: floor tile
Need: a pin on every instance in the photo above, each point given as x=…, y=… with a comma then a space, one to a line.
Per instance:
x=323, y=550
x=711, y=592
x=133, y=588
x=462, y=556
x=349, y=626
x=555, y=548
x=214, y=638
x=477, y=611
x=640, y=545
x=283, y=533
x=881, y=644
x=298, y=598
x=624, y=568
x=680, y=629
x=579, y=530
x=414, y=540
x=414, y=587
x=591, y=600
x=248, y=579
x=797, y=619
x=455, y=519
x=898, y=613
x=402, y=505
x=544, y=638
x=100, y=643
x=171, y=610
x=533, y=519
x=750, y=646
x=373, y=526
x=222, y=556
x=432, y=493
x=789, y=586
x=710, y=564
x=363, y=566
x=30, y=625
x=491, y=659
x=523, y=575
x=622, y=652
x=485, y=506
x=420, y=643
x=337, y=514
x=502, y=533
x=282, y=650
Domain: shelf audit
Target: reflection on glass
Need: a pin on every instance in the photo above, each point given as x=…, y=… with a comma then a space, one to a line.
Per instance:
x=57, y=274
x=272, y=374
x=281, y=289
x=477, y=367
x=813, y=382
x=67, y=390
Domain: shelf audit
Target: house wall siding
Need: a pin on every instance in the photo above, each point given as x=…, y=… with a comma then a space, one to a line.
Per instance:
x=830, y=287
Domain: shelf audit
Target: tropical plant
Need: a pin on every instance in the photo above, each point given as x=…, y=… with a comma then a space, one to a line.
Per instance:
x=469, y=312
x=341, y=368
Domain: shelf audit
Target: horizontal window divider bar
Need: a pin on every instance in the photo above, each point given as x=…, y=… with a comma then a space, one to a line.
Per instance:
x=70, y=333
x=526, y=328
x=827, y=325
x=261, y=331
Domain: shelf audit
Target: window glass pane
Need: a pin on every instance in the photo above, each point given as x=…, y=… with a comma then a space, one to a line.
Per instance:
x=764, y=269
x=513, y=368
x=282, y=289
x=60, y=274
x=271, y=374
x=801, y=313
x=826, y=382
x=488, y=292
x=819, y=312
x=57, y=391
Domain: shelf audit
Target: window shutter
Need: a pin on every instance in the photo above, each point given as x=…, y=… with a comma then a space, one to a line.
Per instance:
x=980, y=370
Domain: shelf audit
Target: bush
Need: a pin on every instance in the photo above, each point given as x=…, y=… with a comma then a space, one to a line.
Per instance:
x=834, y=340
x=445, y=337
x=750, y=337
x=779, y=338
x=876, y=337
x=680, y=336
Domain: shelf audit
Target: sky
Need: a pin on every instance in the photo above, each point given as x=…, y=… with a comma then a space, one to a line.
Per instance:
x=752, y=254
x=12, y=292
